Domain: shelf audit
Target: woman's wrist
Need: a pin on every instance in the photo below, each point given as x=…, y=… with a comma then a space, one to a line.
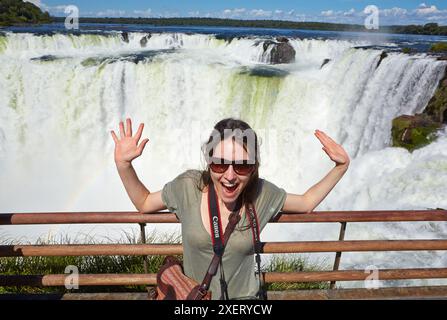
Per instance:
x=123, y=164
x=342, y=167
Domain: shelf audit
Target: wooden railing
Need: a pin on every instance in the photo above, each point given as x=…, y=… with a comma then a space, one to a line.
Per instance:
x=144, y=249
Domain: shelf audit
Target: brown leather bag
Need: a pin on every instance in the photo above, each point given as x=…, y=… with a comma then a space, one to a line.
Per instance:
x=173, y=284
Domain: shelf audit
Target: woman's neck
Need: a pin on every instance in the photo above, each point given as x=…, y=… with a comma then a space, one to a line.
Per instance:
x=232, y=206
x=229, y=206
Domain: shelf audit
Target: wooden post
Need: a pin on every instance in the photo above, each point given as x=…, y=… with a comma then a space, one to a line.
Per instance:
x=341, y=237
x=145, y=261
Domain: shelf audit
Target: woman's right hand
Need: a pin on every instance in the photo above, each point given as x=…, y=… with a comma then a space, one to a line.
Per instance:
x=127, y=148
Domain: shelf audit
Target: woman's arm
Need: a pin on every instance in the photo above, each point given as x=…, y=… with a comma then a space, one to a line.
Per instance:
x=126, y=150
x=313, y=197
x=143, y=200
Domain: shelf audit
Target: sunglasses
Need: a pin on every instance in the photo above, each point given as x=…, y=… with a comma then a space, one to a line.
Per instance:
x=219, y=165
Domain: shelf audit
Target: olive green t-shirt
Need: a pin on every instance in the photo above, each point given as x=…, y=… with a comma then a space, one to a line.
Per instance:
x=183, y=197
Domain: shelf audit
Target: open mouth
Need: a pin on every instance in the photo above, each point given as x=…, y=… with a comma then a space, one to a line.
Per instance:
x=229, y=188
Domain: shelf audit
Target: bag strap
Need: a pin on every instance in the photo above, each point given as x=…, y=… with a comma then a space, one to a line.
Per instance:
x=233, y=220
x=254, y=222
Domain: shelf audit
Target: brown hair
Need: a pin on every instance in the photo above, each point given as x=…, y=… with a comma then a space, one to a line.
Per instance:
x=238, y=129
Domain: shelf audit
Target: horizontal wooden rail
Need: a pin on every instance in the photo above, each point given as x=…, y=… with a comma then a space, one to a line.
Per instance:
x=86, y=217
x=270, y=277
x=166, y=217
x=91, y=250
x=103, y=279
x=176, y=249
x=389, y=293
x=356, y=275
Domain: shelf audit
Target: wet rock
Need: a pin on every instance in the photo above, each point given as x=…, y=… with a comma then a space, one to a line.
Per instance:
x=437, y=106
x=145, y=39
x=282, y=39
x=125, y=37
x=383, y=55
x=325, y=61
x=229, y=37
x=46, y=58
x=264, y=72
x=282, y=52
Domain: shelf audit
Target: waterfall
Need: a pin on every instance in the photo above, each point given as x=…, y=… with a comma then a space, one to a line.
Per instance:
x=61, y=94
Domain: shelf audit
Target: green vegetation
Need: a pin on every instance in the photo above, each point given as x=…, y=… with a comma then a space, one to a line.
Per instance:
x=85, y=264
x=439, y=47
x=124, y=264
x=414, y=132
x=437, y=106
x=429, y=28
x=407, y=50
x=295, y=264
x=18, y=12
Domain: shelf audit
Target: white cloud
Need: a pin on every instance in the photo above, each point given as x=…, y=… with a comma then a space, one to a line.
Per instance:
x=239, y=10
x=422, y=14
x=327, y=13
x=349, y=13
x=424, y=9
x=244, y=13
x=112, y=13
x=235, y=13
x=394, y=12
x=54, y=10
x=143, y=13
x=437, y=18
x=260, y=13
x=35, y=2
x=302, y=17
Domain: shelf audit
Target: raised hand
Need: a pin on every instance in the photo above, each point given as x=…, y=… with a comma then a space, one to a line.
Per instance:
x=332, y=149
x=127, y=148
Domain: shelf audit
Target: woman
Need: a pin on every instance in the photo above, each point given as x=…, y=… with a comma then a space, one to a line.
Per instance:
x=232, y=155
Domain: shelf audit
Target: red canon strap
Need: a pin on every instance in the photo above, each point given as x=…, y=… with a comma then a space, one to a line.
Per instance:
x=215, y=221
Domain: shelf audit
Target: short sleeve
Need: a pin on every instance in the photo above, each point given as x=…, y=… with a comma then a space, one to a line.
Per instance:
x=175, y=193
x=168, y=196
x=269, y=202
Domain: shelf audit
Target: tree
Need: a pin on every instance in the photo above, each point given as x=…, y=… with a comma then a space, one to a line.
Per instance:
x=19, y=12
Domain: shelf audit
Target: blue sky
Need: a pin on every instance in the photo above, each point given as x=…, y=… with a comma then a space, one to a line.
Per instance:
x=340, y=11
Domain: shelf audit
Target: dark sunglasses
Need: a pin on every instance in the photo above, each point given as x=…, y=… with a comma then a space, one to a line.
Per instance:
x=219, y=165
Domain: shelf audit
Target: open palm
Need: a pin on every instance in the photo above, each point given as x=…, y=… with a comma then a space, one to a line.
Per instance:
x=127, y=148
x=332, y=149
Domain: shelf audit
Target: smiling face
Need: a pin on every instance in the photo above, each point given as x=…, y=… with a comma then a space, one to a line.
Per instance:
x=229, y=184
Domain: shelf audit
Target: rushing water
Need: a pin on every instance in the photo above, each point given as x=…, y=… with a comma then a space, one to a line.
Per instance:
x=61, y=94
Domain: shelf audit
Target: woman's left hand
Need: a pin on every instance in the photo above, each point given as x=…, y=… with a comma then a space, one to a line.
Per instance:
x=332, y=149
